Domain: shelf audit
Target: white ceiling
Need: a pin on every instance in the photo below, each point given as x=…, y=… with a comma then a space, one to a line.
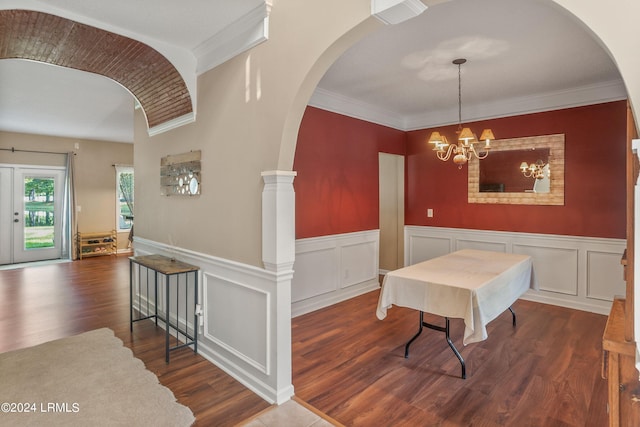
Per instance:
x=40, y=99
x=523, y=56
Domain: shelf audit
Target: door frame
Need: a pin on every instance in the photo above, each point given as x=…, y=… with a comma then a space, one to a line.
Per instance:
x=391, y=211
x=12, y=208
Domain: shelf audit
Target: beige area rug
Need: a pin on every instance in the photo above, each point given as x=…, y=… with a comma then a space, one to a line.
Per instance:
x=89, y=379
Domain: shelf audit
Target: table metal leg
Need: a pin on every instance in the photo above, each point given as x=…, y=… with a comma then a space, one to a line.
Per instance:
x=406, y=347
x=455, y=350
x=447, y=336
x=446, y=331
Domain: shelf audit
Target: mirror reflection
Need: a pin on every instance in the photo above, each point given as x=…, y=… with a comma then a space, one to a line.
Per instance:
x=515, y=171
x=511, y=175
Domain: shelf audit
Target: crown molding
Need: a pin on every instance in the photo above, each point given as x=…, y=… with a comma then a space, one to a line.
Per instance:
x=241, y=35
x=172, y=124
x=568, y=98
x=346, y=106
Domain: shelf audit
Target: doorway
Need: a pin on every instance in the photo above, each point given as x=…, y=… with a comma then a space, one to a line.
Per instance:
x=31, y=205
x=391, y=179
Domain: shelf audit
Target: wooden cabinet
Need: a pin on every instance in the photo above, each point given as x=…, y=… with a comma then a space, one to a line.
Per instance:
x=619, y=370
x=619, y=339
x=96, y=244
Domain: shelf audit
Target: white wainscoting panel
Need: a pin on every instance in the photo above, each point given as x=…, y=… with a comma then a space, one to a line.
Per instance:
x=355, y=271
x=227, y=303
x=425, y=247
x=330, y=269
x=602, y=267
x=576, y=272
x=307, y=283
x=237, y=328
x=555, y=268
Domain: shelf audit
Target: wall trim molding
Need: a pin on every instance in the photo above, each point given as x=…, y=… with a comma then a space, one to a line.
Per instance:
x=240, y=36
x=567, y=98
x=334, y=268
x=582, y=273
x=244, y=344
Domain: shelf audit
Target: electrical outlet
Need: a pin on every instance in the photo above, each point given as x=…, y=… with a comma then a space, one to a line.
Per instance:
x=430, y=213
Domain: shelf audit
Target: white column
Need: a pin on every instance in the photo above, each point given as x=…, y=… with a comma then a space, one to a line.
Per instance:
x=278, y=255
x=278, y=221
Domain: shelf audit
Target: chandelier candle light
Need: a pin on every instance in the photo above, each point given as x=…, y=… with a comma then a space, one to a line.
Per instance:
x=534, y=170
x=464, y=149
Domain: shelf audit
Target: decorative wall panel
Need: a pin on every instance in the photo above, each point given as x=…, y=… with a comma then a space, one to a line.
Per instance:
x=572, y=271
x=330, y=269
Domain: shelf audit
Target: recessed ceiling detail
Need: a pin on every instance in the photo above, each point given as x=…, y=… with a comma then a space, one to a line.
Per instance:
x=146, y=73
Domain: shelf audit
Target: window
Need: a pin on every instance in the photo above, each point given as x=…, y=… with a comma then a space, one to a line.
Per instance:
x=124, y=197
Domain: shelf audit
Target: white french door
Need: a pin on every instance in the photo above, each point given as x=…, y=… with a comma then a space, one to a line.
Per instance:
x=6, y=215
x=31, y=214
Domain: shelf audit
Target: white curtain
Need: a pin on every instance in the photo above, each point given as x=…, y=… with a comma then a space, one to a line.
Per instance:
x=69, y=226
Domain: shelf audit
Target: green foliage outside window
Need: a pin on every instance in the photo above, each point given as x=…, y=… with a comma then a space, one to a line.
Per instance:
x=125, y=200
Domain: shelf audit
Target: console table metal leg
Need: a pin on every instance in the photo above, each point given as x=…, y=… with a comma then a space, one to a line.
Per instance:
x=167, y=326
x=195, y=314
x=155, y=297
x=131, y=267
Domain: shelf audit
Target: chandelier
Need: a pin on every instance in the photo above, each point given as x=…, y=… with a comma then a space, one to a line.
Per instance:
x=465, y=149
x=533, y=170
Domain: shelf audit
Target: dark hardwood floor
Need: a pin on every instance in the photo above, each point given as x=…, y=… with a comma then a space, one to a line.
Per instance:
x=346, y=362
x=545, y=372
x=40, y=304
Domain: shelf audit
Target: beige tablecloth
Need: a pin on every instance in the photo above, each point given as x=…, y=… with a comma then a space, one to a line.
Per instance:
x=472, y=285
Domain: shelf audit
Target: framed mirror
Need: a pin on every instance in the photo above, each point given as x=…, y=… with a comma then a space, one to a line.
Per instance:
x=521, y=171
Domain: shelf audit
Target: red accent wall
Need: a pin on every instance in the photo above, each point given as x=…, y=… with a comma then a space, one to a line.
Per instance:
x=337, y=164
x=337, y=182
x=594, y=177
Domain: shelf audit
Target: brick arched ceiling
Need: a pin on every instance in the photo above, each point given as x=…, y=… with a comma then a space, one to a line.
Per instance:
x=146, y=73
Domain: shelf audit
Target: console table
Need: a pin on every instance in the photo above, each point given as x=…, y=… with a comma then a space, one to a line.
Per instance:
x=156, y=265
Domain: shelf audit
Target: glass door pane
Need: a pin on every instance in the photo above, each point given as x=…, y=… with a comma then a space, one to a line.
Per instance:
x=37, y=217
x=39, y=214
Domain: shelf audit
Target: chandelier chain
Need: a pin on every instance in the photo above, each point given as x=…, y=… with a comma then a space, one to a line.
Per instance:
x=459, y=96
x=464, y=149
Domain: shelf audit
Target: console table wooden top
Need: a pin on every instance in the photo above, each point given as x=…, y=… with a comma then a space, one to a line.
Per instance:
x=163, y=264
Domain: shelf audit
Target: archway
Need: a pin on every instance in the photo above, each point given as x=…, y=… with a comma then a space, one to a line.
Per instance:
x=293, y=118
x=145, y=72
